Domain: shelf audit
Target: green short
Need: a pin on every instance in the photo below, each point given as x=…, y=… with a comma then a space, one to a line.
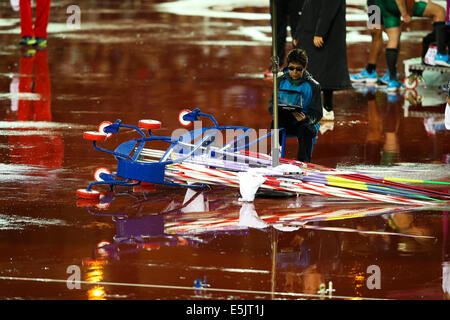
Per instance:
x=391, y=14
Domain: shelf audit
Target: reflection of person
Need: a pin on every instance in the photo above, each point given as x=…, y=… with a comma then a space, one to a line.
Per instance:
x=288, y=12
x=36, y=35
x=305, y=259
x=396, y=11
x=36, y=149
x=391, y=124
x=382, y=131
x=446, y=257
x=374, y=138
x=446, y=279
x=297, y=87
x=432, y=124
x=369, y=74
x=412, y=224
x=321, y=32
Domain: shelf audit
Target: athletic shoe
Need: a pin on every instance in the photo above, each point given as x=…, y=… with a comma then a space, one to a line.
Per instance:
x=27, y=41
x=364, y=76
x=41, y=42
x=442, y=60
x=384, y=79
x=394, y=85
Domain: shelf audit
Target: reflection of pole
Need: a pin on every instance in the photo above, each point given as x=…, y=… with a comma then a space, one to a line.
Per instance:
x=445, y=246
x=274, y=259
x=275, y=67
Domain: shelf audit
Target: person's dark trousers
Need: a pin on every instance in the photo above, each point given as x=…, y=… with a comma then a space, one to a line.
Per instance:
x=327, y=99
x=304, y=136
x=287, y=14
x=305, y=143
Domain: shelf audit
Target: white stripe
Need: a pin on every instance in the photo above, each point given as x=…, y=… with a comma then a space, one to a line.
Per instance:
x=158, y=286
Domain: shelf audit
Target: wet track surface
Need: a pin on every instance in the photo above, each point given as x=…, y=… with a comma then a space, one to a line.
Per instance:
x=150, y=60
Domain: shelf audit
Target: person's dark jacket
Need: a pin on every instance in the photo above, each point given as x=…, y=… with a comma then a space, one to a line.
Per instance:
x=328, y=64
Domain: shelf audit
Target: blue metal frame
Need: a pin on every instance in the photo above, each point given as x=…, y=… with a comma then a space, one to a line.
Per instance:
x=129, y=168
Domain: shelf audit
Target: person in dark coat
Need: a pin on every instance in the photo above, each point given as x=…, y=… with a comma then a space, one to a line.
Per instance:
x=321, y=32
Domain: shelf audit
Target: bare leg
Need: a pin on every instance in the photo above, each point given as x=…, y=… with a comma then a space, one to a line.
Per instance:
x=434, y=11
x=437, y=14
x=394, y=37
x=376, y=45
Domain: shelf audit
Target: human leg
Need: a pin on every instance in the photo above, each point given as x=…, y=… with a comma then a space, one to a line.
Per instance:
x=369, y=73
x=42, y=87
x=375, y=46
x=437, y=14
x=26, y=22
x=305, y=143
x=42, y=18
x=392, y=57
x=328, y=113
x=294, y=9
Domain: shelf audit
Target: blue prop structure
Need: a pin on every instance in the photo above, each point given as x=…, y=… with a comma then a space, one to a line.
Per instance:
x=132, y=167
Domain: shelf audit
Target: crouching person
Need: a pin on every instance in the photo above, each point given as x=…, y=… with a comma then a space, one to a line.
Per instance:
x=297, y=88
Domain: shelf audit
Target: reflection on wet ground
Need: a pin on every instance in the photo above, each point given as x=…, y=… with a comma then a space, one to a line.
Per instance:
x=150, y=59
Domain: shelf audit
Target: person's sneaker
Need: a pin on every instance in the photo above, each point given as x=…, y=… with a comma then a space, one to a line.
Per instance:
x=41, y=42
x=364, y=76
x=442, y=60
x=394, y=85
x=328, y=115
x=27, y=41
x=384, y=79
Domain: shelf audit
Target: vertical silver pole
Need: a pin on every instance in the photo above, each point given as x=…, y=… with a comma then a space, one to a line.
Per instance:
x=275, y=68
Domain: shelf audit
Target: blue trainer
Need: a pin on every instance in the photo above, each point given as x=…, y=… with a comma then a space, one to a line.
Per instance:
x=394, y=85
x=384, y=79
x=442, y=60
x=364, y=76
